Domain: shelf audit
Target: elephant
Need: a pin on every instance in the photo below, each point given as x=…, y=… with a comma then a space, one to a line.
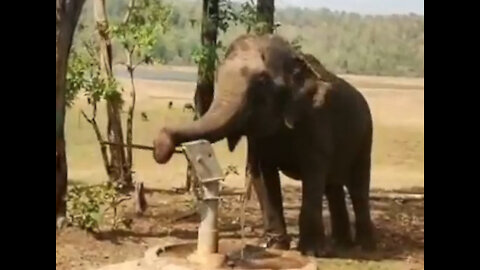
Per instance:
x=299, y=119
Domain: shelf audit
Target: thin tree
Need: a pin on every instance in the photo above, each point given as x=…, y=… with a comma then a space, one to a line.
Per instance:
x=206, y=68
x=67, y=15
x=265, y=15
x=137, y=34
x=119, y=167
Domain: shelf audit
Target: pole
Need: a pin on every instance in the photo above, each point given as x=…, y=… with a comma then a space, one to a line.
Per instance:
x=138, y=146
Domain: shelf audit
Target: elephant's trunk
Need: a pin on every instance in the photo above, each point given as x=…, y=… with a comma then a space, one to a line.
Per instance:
x=228, y=103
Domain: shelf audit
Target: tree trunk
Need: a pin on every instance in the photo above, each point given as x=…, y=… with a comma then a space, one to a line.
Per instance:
x=131, y=111
x=206, y=70
x=265, y=13
x=119, y=168
x=67, y=14
x=133, y=94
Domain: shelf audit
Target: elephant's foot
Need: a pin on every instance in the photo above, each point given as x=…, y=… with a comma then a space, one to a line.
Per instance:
x=365, y=237
x=281, y=242
x=314, y=247
x=366, y=242
x=312, y=242
x=343, y=243
x=342, y=239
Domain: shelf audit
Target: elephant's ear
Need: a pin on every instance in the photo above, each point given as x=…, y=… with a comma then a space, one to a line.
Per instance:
x=309, y=91
x=317, y=80
x=312, y=95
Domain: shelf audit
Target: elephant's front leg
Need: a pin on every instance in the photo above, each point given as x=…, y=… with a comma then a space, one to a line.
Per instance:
x=266, y=183
x=312, y=235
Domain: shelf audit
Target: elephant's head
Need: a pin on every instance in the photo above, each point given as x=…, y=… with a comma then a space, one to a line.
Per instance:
x=246, y=102
x=255, y=92
x=309, y=84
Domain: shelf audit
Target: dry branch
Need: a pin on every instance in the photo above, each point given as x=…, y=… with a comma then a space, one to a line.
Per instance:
x=103, y=148
x=137, y=146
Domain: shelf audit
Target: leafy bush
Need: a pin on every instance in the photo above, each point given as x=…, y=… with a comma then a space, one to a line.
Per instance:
x=88, y=205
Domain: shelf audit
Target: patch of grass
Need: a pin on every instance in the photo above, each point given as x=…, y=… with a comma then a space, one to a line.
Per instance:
x=398, y=154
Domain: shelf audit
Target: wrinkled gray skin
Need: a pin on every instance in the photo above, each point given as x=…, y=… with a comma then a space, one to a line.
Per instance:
x=314, y=129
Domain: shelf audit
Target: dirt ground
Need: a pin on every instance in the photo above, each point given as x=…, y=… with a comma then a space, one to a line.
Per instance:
x=398, y=163
x=400, y=231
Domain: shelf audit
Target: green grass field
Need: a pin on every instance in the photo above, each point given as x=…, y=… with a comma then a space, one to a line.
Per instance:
x=397, y=105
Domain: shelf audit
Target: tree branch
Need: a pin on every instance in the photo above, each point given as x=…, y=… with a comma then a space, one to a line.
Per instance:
x=116, y=203
x=137, y=64
x=131, y=6
x=94, y=110
x=131, y=110
x=86, y=117
x=128, y=54
x=98, y=134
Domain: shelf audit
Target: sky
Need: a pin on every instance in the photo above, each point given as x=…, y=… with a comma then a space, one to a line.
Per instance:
x=381, y=7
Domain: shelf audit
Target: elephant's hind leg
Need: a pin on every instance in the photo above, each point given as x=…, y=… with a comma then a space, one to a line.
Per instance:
x=359, y=189
x=341, y=232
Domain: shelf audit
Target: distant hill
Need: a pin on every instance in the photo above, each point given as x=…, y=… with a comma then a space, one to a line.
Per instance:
x=345, y=42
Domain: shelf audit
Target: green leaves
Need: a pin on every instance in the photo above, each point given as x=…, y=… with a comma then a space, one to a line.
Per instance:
x=203, y=54
x=226, y=15
x=248, y=15
x=206, y=57
x=84, y=74
x=139, y=34
x=87, y=205
x=345, y=42
x=76, y=76
x=84, y=205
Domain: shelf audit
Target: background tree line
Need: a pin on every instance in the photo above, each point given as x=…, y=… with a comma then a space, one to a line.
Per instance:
x=345, y=42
